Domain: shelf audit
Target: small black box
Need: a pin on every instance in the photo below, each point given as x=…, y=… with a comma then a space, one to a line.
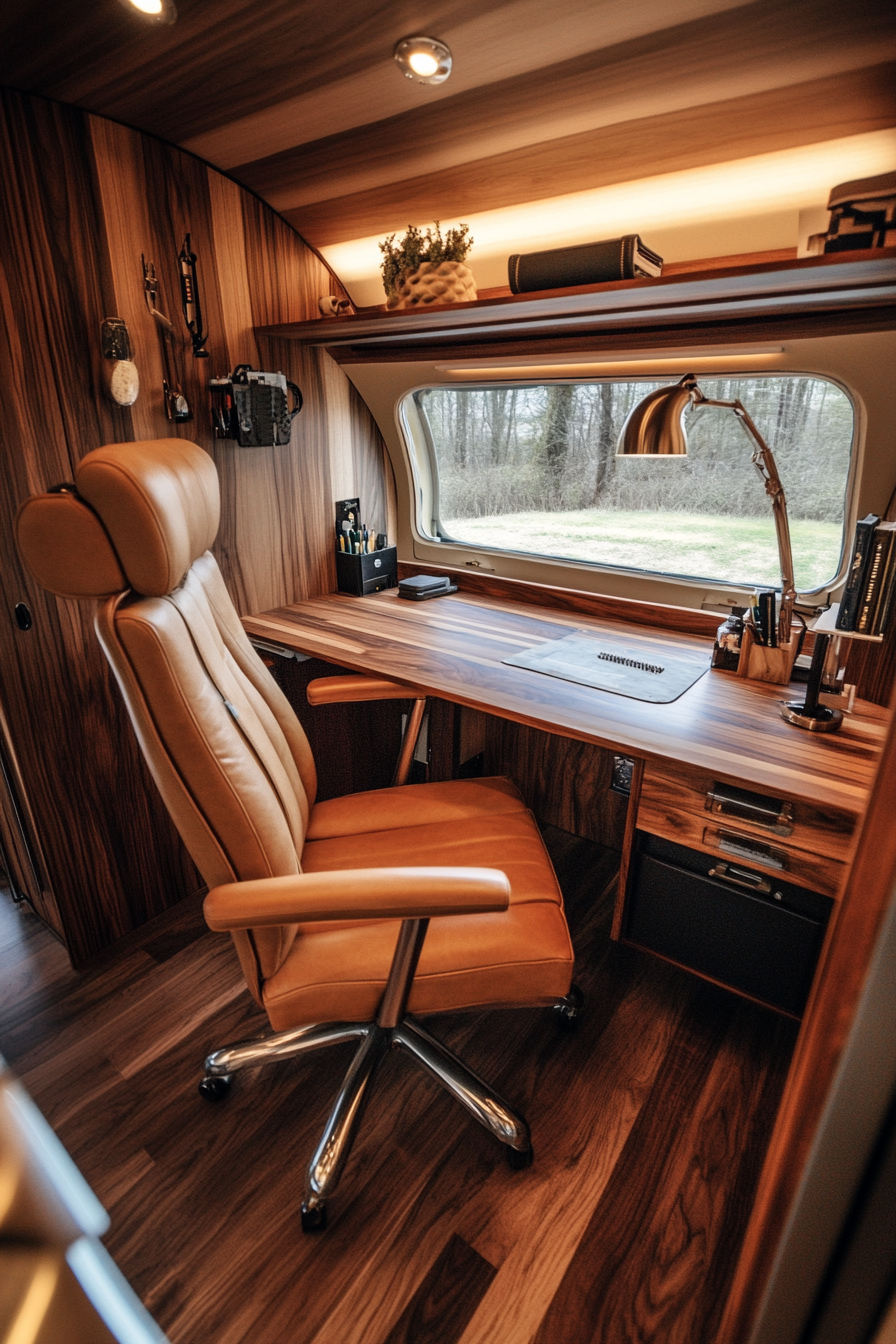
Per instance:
x=420, y=587
x=370, y=573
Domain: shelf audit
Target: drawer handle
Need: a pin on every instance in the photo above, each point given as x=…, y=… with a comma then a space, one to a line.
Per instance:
x=741, y=878
x=754, y=807
x=745, y=847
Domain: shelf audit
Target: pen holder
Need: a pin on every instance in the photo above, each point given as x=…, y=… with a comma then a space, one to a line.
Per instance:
x=760, y=663
x=369, y=573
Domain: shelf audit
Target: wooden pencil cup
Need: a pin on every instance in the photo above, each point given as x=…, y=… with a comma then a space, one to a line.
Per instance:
x=759, y=663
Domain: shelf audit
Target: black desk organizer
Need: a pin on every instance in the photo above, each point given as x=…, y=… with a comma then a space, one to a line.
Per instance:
x=765, y=944
x=369, y=573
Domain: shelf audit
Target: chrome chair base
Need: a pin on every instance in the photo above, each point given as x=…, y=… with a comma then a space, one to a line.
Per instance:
x=392, y=1030
x=331, y=1154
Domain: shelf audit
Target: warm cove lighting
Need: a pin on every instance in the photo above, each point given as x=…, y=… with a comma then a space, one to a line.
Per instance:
x=590, y=368
x=148, y=6
x=785, y=180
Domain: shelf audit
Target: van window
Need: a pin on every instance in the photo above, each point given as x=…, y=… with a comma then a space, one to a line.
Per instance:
x=533, y=469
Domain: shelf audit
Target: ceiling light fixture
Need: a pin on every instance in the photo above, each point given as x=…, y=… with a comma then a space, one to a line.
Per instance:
x=155, y=11
x=424, y=59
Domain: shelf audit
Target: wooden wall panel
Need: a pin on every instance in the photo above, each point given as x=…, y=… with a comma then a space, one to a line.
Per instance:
x=565, y=782
x=851, y=103
x=83, y=198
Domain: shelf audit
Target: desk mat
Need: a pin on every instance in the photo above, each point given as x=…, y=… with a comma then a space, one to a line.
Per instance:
x=641, y=670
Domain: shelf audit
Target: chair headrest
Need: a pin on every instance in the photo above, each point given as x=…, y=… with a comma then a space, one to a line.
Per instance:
x=153, y=509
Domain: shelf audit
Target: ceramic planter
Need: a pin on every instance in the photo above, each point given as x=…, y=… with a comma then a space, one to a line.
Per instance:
x=434, y=283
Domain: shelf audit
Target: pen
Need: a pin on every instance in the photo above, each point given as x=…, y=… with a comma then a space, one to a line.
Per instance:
x=764, y=617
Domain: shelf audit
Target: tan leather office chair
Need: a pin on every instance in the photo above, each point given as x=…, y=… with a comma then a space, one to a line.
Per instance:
x=328, y=902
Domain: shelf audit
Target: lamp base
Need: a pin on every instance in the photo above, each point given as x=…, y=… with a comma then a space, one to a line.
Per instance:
x=823, y=720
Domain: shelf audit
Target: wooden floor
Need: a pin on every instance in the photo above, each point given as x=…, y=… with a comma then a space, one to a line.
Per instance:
x=649, y=1125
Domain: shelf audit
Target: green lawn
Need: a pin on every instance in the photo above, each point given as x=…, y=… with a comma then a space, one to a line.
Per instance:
x=731, y=550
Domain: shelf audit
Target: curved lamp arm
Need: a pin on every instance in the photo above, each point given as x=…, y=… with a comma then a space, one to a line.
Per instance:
x=764, y=462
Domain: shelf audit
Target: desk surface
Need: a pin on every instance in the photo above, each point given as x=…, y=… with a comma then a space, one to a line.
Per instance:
x=453, y=647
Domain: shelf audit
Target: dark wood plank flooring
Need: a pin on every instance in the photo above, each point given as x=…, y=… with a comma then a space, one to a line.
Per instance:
x=649, y=1123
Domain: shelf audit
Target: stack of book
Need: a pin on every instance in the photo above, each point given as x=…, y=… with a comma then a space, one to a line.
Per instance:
x=871, y=582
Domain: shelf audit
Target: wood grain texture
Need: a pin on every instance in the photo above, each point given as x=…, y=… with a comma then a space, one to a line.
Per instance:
x=847, y=103
x=872, y=667
x=233, y=1265
x=566, y=783
x=446, y=1299
x=754, y=47
x=673, y=805
x=454, y=649
x=83, y=198
x=684, y=620
x=829, y=1015
x=817, y=872
x=628, y=849
x=636, y=96
x=694, y=265
x=679, y=332
x=820, y=288
x=109, y=854
x=679, y=1234
x=210, y=68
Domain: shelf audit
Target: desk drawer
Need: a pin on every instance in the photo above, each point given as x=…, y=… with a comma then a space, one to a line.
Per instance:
x=755, y=934
x=810, y=845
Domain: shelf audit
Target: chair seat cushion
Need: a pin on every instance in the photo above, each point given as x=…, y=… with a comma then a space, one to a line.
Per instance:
x=413, y=805
x=338, y=971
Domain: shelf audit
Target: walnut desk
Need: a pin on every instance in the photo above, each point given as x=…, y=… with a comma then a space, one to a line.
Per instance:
x=722, y=731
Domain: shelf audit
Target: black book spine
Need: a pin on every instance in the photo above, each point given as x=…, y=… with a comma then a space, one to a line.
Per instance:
x=879, y=552
x=886, y=587
x=858, y=571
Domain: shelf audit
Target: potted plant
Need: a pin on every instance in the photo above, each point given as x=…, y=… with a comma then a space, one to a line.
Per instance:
x=425, y=269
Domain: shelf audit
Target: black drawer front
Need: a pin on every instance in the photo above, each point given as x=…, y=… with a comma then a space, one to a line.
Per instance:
x=763, y=946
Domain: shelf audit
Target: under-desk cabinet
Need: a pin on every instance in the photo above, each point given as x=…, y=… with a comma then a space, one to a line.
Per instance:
x=734, y=885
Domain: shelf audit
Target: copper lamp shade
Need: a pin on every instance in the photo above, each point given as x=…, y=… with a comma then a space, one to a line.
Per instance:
x=656, y=425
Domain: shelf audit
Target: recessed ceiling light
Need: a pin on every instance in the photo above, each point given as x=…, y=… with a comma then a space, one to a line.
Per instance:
x=155, y=11
x=424, y=59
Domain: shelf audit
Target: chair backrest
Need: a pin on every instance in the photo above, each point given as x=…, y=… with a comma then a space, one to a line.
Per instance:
x=225, y=748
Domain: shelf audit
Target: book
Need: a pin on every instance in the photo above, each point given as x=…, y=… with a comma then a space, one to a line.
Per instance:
x=585, y=264
x=858, y=569
x=873, y=586
x=886, y=589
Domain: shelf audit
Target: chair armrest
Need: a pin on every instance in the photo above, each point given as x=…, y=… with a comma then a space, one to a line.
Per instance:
x=338, y=690
x=357, y=893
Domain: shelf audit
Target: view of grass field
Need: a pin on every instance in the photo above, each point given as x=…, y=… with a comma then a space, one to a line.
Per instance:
x=533, y=468
x=695, y=545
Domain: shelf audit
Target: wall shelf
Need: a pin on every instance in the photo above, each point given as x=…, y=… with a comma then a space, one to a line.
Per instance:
x=820, y=291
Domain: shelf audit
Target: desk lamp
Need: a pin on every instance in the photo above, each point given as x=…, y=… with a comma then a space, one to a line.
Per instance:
x=656, y=428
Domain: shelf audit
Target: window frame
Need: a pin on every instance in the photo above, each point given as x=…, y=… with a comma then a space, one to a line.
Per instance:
x=421, y=455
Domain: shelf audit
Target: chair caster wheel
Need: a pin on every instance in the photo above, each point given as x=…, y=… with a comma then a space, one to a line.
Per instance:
x=520, y=1158
x=569, y=1010
x=314, y=1220
x=214, y=1087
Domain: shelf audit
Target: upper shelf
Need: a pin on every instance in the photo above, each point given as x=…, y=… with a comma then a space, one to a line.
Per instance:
x=814, y=286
